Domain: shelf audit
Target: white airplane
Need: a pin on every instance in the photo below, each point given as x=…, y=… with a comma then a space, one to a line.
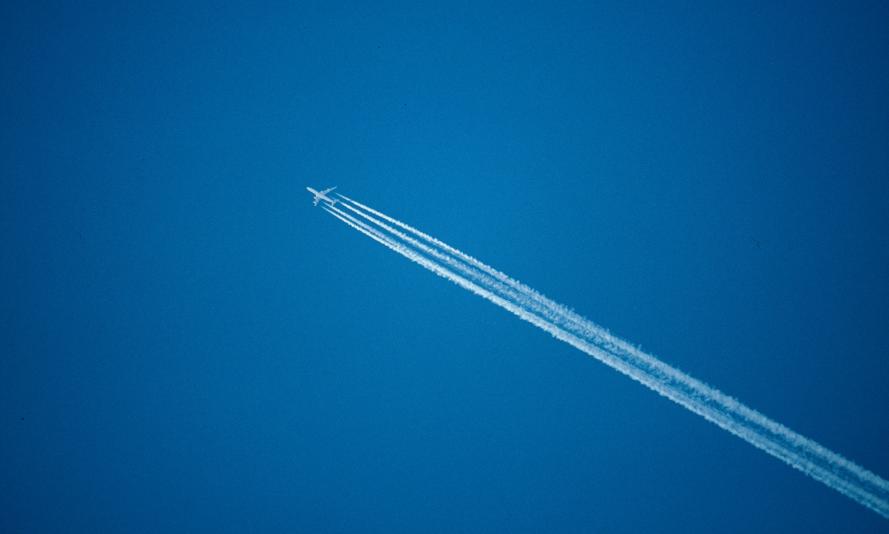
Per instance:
x=322, y=195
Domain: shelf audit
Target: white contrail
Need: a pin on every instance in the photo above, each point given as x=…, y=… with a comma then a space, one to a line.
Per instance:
x=573, y=321
x=464, y=257
x=512, y=291
x=475, y=274
x=557, y=312
x=593, y=333
x=796, y=450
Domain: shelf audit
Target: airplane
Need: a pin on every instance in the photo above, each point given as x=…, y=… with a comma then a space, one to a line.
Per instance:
x=322, y=195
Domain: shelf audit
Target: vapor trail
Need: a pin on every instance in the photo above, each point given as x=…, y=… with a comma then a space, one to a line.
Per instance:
x=465, y=257
x=473, y=273
x=498, y=282
x=801, y=453
x=572, y=321
x=481, y=273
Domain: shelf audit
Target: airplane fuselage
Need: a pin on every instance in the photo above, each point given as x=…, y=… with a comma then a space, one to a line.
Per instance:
x=322, y=195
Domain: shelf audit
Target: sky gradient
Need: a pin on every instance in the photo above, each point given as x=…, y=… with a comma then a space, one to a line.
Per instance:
x=188, y=345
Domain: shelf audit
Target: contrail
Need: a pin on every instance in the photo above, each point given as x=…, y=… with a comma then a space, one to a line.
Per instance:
x=801, y=453
x=508, y=288
x=475, y=274
x=564, y=315
x=573, y=321
x=466, y=258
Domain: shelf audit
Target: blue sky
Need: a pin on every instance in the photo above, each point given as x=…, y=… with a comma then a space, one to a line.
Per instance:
x=188, y=345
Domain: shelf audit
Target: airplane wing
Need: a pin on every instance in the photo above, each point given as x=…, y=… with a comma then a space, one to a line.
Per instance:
x=328, y=190
x=317, y=199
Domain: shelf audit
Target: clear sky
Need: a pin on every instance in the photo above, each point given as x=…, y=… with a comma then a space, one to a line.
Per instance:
x=187, y=345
